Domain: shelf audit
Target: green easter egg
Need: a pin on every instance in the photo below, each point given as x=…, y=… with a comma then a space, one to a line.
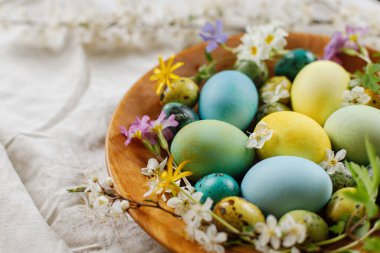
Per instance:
x=348, y=127
x=252, y=70
x=317, y=229
x=212, y=146
x=184, y=115
x=182, y=90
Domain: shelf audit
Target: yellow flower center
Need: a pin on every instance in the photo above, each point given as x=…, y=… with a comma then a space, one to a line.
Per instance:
x=269, y=39
x=333, y=162
x=254, y=50
x=138, y=134
x=353, y=37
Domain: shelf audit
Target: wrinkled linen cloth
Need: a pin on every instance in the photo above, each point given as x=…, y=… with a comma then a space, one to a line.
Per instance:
x=55, y=107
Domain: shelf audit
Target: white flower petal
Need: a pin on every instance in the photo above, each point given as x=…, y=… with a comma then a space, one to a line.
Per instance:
x=340, y=155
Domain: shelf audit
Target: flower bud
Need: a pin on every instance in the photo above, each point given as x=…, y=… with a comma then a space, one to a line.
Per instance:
x=125, y=205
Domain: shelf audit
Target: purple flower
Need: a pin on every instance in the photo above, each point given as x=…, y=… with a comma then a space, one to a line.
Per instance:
x=163, y=123
x=339, y=40
x=139, y=129
x=213, y=34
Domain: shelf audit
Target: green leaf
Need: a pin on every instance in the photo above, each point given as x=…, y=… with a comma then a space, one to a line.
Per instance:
x=363, y=229
x=375, y=164
x=312, y=248
x=372, y=244
x=372, y=209
x=349, y=51
x=339, y=227
x=371, y=77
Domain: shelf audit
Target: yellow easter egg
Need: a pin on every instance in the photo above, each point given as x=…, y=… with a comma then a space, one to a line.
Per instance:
x=294, y=134
x=317, y=90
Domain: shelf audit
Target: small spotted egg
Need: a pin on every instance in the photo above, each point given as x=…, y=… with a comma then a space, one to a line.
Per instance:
x=293, y=62
x=340, y=205
x=257, y=74
x=182, y=90
x=342, y=179
x=217, y=186
x=184, y=115
x=238, y=212
x=317, y=229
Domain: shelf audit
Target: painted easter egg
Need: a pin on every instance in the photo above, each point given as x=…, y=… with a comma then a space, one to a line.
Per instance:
x=229, y=96
x=316, y=227
x=182, y=90
x=267, y=109
x=273, y=87
x=238, y=212
x=257, y=74
x=293, y=62
x=212, y=146
x=294, y=134
x=217, y=186
x=341, y=206
x=347, y=128
x=184, y=115
x=318, y=89
x=375, y=98
x=280, y=184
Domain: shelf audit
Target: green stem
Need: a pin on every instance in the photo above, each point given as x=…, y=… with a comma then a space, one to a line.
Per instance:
x=77, y=189
x=332, y=240
x=353, y=244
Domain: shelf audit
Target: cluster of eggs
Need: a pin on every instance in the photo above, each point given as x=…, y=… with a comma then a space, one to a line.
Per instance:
x=283, y=177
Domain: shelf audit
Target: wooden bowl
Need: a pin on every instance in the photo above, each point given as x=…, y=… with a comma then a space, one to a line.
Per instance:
x=124, y=163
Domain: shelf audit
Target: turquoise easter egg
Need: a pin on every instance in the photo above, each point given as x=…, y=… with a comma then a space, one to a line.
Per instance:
x=280, y=184
x=217, y=186
x=212, y=146
x=347, y=128
x=293, y=62
x=229, y=96
x=183, y=114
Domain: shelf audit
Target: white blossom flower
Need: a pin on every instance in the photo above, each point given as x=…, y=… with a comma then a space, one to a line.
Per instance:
x=274, y=36
x=269, y=232
x=211, y=239
x=101, y=205
x=124, y=204
x=116, y=209
x=265, y=248
x=332, y=162
x=355, y=96
x=152, y=185
x=153, y=167
x=253, y=49
x=355, y=82
x=275, y=95
x=260, y=135
x=195, y=215
x=294, y=250
x=182, y=202
x=293, y=232
x=108, y=181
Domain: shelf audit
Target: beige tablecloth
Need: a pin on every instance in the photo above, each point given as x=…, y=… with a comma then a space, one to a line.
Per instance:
x=56, y=100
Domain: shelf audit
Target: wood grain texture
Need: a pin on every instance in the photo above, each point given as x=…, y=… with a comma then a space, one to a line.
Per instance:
x=124, y=163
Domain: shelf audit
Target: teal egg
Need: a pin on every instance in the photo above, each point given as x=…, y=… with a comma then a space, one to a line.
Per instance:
x=229, y=96
x=293, y=62
x=217, y=186
x=280, y=184
x=212, y=146
x=183, y=114
x=257, y=74
x=347, y=128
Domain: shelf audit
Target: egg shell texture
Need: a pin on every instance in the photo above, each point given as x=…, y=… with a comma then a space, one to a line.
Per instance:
x=280, y=184
x=347, y=128
x=212, y=146
x=229, y=96
x=317, y=91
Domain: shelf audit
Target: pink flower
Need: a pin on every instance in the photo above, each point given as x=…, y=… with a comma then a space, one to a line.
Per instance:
x=350, y=39
x=139, y=129
x=163, y=124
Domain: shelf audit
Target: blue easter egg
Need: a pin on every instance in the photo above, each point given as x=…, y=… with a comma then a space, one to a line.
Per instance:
x=293, y=62
x=217, y=186
x=280, y=184
x=229, y=96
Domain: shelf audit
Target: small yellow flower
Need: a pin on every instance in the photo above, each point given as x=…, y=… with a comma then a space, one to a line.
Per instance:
x=164, y=75
x=167, y=179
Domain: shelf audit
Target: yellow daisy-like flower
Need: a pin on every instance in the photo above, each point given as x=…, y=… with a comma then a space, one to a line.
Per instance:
x=164, y=75
x=168, y=179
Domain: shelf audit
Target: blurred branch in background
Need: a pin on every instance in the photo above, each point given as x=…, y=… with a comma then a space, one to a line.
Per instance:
x=131, y=24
